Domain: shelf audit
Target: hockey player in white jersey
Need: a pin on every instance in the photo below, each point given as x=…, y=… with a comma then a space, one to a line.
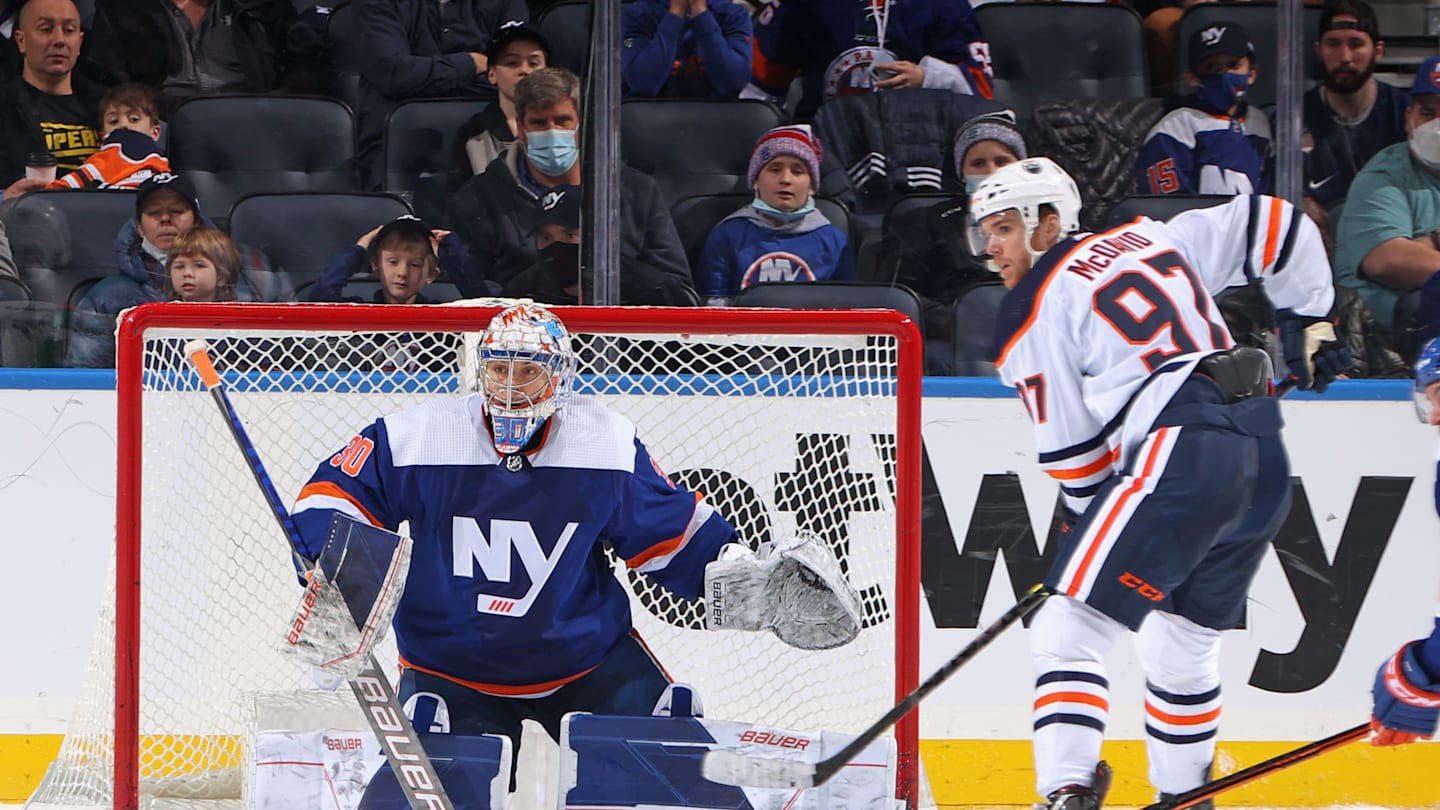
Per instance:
x=511, y=610
x=1164, y=439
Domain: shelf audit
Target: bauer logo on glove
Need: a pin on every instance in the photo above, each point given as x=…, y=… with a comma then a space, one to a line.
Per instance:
x=793, y=588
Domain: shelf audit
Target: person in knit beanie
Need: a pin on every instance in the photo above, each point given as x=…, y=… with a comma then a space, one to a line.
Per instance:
x=984, y=144
x=779, y=236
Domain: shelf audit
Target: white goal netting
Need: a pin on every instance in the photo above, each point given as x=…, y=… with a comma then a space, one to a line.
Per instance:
x=784, y=421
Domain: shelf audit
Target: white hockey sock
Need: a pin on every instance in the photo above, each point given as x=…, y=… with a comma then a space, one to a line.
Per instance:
x=1182, y=699
x=1068, y=642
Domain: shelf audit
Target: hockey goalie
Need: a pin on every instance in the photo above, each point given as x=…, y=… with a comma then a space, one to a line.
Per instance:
x=510, y=610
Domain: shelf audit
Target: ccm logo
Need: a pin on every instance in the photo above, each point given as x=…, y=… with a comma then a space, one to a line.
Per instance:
x=767, y=738
x=1141, y=587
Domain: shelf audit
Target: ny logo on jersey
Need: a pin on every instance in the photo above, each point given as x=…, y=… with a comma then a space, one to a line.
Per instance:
x=494, y=555
x=1212, y=35
x=777, y=266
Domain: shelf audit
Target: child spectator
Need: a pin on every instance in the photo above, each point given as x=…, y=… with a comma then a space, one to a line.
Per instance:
x=403, y=254
x=555, y=279
x=780, y=236
x=684, y=49
x=928, y=250
x=203, y=265
x=1210, y=142
x=130, y=153
x=516, y=51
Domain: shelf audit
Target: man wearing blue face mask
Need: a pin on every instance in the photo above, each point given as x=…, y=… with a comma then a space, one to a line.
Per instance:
x=779, y=236
x=1210, y=142
x=496, y=210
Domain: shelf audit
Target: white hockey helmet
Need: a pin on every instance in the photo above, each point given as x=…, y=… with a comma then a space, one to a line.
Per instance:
x=527, y=370
x=1025, y=186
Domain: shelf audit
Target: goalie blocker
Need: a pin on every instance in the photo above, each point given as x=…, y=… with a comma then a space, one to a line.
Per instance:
x=794, y=588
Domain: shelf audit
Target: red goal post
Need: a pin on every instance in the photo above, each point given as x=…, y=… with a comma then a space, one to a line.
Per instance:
x=784, y=419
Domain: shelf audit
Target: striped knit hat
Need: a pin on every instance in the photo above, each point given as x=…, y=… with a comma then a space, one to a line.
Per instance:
x=795, y=140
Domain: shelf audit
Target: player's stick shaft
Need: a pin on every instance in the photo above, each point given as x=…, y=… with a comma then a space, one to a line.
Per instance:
x=412, y=767
x=1210, y=790
x=739, y=769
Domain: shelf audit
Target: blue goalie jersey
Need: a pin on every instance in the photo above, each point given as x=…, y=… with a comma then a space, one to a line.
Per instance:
x=510, y=591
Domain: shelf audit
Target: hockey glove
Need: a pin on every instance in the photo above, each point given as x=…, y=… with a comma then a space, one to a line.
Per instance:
x=793, y=588
x=1314, y=351
x=1427, y=373
x=1407, y=700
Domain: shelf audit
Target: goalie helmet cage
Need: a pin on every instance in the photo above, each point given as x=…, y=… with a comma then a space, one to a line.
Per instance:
x=785, y=420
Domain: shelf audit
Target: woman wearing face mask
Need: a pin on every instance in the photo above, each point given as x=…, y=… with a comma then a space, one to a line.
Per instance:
x=1210, y=142
x=926, y=249
x=779, y=236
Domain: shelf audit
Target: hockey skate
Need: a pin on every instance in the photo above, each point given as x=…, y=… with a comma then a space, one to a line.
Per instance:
x=1168, y=798
x=1080, y=797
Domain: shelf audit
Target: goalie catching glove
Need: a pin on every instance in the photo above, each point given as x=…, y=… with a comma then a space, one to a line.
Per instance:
x=793, y=588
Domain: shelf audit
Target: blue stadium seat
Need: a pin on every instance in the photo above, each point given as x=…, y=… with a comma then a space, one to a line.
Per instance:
x=419, y=135
x=231, y=146
x=1162, y=206
x=713, y=154
x=300, y=232
x=1258, y=20
x=831, y=295
x=1042, y=50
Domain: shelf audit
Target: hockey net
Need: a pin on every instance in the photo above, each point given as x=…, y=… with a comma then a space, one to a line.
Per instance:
x=785, y=420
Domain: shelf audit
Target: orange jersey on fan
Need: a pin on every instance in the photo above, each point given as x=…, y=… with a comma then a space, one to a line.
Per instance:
x=126, y=160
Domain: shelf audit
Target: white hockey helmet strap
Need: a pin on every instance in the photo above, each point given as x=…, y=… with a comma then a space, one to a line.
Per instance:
x=1025, y=186
x=524, y=333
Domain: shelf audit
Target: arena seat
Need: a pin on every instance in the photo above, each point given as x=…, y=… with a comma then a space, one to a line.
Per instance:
x=566, y=27
x=17, y=322
x=1258, y=20
x=694, y=146
x=1043, y=50
x=231, y=146
x=697, y=215
x=344, y=54
x=1162, y=206
x=63, y=241
x=299, y=232
x=832, y=295
x=973, y=348
x=419, y=135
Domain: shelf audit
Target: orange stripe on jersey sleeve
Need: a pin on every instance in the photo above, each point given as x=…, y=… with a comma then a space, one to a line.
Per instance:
x=1088, y=470
x=1073, y=697
x=329, y=490
x=1183, y=719
x=663, y=547
x=1135, y=486
x=1272, y=234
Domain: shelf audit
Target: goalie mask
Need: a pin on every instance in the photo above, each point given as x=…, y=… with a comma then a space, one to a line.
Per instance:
x=1024, y=186
x=527, y=368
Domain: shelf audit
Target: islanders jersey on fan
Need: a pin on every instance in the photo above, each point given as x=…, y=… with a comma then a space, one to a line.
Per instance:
x=1102, y=332
x=510, y=591
x=1195, y=151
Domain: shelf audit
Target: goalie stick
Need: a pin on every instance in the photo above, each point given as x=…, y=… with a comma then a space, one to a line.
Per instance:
x=1210, y=790
x=382, y=710
x=733, y=768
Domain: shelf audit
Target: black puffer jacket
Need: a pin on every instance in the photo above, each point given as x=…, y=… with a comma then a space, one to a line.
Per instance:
x=1096, y=140
x=494, y=213
x=927, y=250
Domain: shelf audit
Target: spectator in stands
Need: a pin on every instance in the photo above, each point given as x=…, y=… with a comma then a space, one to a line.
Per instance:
x=130, y=152
x=1388, y=242
x=555, y=278
x=684, y=49
x=779, y=236
x=1211, y=142
x=404, y=255
x=495, y=210
x=1351, y=116
x=99, y=61
x=48, y=108
x=188, y=49
x=841, y=47
x=517, y=50
x=423, y=49
x=929, y=252
x=202, y=266
x=165, y=209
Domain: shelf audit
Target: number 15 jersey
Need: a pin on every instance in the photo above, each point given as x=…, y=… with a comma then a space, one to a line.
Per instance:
x=1105, y=328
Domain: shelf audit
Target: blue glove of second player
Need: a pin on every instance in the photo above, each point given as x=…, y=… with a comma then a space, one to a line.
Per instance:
x=1407, y=700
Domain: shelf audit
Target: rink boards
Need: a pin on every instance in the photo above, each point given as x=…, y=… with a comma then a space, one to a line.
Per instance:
x=1300, y=670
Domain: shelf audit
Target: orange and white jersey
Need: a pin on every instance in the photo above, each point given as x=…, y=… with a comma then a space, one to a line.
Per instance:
x=1100, y=334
